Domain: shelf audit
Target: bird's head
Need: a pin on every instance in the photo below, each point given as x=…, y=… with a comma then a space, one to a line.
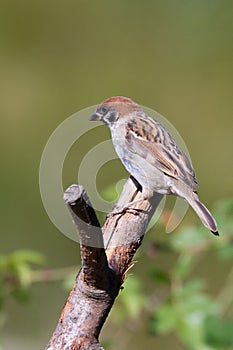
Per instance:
x=113, y=109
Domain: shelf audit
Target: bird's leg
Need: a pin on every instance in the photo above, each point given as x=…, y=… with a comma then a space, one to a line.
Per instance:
x=126, y=207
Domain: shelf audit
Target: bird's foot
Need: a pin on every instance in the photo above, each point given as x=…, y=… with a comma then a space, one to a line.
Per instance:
x=126, y=209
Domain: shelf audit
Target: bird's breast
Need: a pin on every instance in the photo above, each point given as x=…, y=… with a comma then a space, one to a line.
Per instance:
x=149, y=177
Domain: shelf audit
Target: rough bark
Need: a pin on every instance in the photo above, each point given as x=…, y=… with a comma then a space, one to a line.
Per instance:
x=106, y=256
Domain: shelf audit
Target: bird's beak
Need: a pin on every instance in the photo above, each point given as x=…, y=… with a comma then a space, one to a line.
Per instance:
x=96, y=116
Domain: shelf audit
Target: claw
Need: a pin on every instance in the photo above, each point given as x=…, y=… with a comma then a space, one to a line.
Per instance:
x=124, y=210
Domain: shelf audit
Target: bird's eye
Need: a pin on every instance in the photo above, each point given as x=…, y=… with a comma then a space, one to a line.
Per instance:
x=104, y=109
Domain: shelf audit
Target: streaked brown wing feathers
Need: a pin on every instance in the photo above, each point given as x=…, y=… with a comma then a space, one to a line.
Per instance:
x=161, y=151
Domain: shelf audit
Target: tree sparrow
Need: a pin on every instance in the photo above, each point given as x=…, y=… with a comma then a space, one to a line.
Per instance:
x=150, y=154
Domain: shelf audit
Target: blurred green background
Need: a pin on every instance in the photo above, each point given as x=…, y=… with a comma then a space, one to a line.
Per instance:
x=58, y=57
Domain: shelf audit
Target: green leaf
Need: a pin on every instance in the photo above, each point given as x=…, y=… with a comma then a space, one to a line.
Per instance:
x=165, y=319
x=17, y=265
x=193, y=287
x=185, y=313
x=12, y=261
x=192, y=307
x=15, y=273
x=218, y=333
x=130, y=301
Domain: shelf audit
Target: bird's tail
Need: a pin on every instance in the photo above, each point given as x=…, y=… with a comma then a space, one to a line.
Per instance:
x=191, y=197
x=203, y=213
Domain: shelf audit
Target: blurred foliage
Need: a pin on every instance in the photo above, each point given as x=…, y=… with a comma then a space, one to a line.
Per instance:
x=16, y=272
x=61, y=56
x=187, y=308
x=190, y=311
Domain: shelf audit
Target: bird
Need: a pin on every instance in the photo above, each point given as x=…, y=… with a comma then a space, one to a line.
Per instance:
x=150, y=154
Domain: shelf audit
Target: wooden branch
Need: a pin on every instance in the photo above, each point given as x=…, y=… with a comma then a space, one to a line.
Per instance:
x=105, y=260
x=123, y=233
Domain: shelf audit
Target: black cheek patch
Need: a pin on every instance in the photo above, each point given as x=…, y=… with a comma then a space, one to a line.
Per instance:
x=112, y=117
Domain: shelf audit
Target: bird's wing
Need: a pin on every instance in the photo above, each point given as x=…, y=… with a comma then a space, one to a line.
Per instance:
x=149, y=139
